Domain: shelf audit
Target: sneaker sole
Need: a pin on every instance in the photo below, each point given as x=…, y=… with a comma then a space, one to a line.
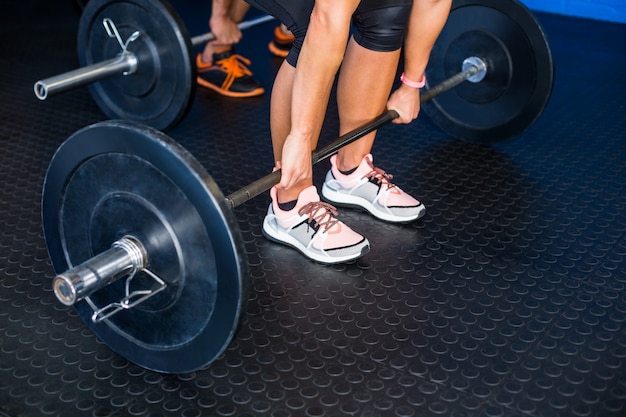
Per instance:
x=285, y=239
x=254, y=93
x=346, y=200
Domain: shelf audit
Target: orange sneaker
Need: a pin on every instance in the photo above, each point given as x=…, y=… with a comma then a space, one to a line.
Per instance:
x=228, y=75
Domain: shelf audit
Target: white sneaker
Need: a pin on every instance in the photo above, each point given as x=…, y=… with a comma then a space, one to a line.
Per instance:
x=313, y=229
x=370, y=188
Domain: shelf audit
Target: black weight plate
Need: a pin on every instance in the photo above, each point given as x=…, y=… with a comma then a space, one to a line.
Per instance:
x=161, y=90
x=119, y=178
x=519, y=77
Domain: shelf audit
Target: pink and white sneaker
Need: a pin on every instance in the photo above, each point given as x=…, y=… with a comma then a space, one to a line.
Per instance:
x=313, y=229
x=370, y=188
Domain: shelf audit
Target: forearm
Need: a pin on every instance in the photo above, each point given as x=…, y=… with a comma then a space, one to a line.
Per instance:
x=425, y=24
x=221, y=8
x=426, y=20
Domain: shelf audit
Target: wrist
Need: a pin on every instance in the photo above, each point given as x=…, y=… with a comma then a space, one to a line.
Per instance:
x=413, y=84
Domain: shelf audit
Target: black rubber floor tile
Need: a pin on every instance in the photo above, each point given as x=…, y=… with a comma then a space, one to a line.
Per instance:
x=506, y=299
x=291, y=373
x=566, y=373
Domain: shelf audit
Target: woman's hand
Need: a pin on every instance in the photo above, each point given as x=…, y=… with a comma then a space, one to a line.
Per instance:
x=406, y=102
x=296, y=163
x=225, y=30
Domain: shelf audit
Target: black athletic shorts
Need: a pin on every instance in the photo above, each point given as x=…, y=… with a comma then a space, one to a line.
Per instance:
x=378, y=25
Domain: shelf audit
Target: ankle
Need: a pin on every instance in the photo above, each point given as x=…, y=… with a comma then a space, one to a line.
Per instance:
x=285, y=197
x=285, y=201
x=206, y=58
x=211, y=49
x=347, y=165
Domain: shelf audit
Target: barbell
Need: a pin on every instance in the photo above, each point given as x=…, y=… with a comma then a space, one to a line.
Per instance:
x=145, y=245
x=137, y=58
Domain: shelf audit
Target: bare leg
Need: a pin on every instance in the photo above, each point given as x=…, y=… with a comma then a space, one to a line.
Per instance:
x=364, y=85
x=280, y=108
x=238, y=10
x=280, y=122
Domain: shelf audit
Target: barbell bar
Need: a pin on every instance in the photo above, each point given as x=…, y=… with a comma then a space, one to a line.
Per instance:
x=125, y=63
x=247, y=24
x=154, y=33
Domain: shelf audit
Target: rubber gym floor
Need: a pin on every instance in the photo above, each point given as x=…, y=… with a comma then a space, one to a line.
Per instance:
x=506, y=299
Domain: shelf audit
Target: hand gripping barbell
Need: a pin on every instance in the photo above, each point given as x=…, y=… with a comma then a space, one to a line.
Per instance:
x=146, y=246
x=137, y=59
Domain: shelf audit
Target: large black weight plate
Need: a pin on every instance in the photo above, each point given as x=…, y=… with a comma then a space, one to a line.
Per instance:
x=117, y=178
x=519, y=77
x=161, y=91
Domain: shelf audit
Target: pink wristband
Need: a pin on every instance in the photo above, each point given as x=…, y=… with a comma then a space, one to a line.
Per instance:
x=413, y=84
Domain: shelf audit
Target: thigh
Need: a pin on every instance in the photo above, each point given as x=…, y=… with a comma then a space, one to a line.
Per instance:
x=379, y=25
x=295, y=14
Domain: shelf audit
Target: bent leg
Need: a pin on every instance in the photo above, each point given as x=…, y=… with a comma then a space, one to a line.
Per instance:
x=238, y=10
x=364, y=85
x=280, y=108
x=280, y=124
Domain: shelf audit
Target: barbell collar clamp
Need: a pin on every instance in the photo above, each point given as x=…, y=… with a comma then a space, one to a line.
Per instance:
x=467, y=71
x=474, y=61
x=130, y=300
x=112, y=31
x=125, y=257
